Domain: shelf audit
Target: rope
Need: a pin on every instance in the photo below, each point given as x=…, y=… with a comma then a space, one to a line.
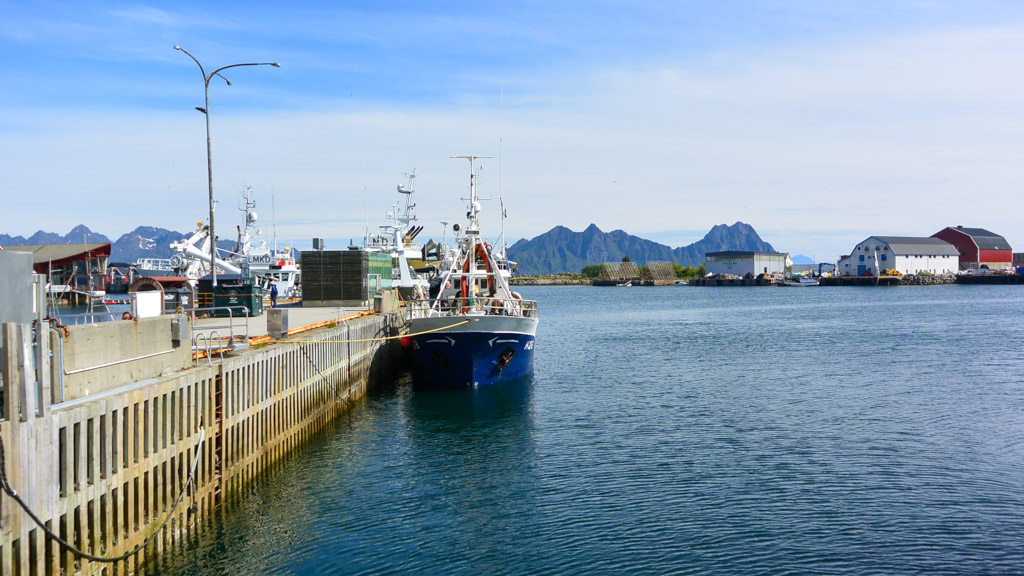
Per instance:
x=315, y=367
x=371, y=339
x=5, y=485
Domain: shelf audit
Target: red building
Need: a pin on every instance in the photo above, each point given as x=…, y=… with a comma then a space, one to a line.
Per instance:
x=978, y=247
x=70, y=267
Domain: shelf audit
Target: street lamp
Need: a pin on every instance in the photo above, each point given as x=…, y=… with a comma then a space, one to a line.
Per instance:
x=209, y=153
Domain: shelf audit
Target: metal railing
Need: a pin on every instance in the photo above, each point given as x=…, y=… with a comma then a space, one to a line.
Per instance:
x=207, y=343
x=237, y=328
x=475, y=306
x=88, y=317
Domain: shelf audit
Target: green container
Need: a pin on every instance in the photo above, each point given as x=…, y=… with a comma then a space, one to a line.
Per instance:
x=232, y=291
x=378, y=265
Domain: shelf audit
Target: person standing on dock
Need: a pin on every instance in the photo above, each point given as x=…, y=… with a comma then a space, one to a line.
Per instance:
x=273, y=295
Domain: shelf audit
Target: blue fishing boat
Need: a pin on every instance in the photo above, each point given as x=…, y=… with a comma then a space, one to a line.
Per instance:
x=472, y=329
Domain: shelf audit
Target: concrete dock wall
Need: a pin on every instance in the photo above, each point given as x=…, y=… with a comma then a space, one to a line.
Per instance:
x=103, y=471
x=100, y=357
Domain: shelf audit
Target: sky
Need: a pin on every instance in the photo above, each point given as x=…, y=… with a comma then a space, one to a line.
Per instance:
x=818, y=123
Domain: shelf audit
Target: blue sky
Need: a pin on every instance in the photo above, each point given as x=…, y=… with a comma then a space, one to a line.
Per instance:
x=819, y=123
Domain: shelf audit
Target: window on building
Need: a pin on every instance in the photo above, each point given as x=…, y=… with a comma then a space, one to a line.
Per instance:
x=861, y=257
x=883, y=257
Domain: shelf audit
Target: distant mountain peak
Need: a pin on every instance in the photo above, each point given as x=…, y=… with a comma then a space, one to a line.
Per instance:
x=562, y=250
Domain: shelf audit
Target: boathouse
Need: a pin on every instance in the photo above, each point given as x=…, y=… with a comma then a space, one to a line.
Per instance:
x=978, y=248
x=904, y=254
x=741, y=263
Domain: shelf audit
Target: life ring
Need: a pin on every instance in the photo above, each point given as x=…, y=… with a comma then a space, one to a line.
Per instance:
x=127, y=316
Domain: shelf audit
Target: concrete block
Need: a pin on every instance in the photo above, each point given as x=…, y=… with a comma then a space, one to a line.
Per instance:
x=99, y=357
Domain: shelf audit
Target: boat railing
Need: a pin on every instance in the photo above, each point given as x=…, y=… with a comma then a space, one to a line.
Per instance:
x=473, y=306
x=154, y=264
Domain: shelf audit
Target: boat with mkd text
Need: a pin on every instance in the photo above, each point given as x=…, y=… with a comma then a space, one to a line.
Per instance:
x=472, y=329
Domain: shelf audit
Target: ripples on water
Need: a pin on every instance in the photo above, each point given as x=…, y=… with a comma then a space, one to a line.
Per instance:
x=676, y=431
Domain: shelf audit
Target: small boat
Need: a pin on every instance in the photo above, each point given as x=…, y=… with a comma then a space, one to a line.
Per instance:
x=472, y=329
x=801, y=281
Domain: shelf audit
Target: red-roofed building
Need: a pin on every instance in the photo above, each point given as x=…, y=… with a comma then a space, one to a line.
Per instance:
x=978, y=248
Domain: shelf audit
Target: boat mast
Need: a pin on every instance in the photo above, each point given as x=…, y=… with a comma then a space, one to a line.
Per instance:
x=473, y=214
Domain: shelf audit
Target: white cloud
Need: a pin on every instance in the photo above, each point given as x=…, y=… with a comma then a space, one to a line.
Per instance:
x=886, y=134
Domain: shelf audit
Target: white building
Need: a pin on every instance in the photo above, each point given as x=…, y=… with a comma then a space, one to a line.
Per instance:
x=742, y=263
x=905, y=254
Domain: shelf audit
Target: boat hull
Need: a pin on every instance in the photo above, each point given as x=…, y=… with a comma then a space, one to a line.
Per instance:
x=471, y=351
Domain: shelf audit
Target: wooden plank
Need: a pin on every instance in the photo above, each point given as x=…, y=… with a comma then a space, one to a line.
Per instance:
x=24, y=385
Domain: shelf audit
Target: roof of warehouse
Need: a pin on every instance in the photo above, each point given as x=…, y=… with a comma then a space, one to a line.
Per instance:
x=984, y=239
x=53, y=252
x=919, y=245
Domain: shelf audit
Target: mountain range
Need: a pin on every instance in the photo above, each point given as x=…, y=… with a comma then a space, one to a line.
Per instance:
x=143, y=242
x=562, y=250
x=557, y=250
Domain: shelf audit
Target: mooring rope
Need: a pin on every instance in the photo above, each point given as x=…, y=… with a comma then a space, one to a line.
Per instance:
x=315, y=367
x=381, y=339
x=5, y=485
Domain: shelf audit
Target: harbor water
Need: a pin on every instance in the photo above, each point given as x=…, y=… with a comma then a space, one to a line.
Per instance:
x=675, y=430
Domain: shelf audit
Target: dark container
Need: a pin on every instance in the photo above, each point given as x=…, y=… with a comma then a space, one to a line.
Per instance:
x=232, y=291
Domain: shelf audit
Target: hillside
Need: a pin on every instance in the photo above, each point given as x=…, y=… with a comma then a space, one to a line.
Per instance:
x=562, y=250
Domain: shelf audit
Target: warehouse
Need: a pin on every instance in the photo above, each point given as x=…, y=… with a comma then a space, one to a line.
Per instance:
x=741, y=263
x=978, y=248
x=904, y=254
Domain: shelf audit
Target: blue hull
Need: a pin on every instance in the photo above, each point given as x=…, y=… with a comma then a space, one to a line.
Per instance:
x=469, y=359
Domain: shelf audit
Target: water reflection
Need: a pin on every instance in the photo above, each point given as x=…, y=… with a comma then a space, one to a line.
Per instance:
x=474, y=459
x=497, y=405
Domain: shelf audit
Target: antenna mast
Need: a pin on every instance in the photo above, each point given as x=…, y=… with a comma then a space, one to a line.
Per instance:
x=501, y=197
x=473, y=214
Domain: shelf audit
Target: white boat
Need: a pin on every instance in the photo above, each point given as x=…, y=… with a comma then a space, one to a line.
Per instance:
x=267, y=265
x=252, y=256
x=472, y=330
x=798, y=282
x=409, y=258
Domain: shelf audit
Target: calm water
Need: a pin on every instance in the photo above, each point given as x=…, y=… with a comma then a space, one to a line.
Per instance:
x=677, y=431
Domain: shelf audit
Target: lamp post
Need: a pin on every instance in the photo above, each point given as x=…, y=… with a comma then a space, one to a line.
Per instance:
x=209, y=152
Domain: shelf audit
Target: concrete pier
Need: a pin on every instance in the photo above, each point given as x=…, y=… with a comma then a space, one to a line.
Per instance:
x=103, y=425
